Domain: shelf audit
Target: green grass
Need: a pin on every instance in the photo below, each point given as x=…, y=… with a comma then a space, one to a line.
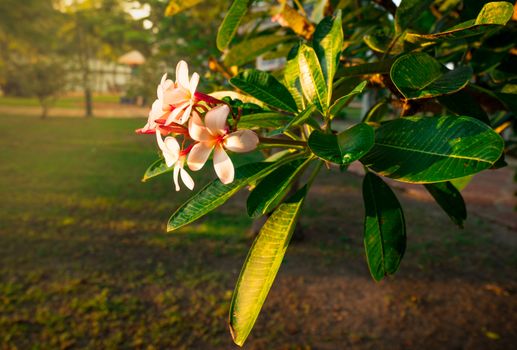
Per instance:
x=84, y=258
x=62, y=102
x=85, y=262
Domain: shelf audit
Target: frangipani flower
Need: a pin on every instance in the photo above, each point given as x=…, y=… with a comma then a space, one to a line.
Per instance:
x=174, y=103
x=181, y=97
x=158, y=110
x=175, y=157
x=215, y=135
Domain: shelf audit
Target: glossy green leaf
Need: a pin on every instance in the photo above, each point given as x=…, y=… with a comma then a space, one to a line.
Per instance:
x=311, y=78
x=381, y=67
x=248, y=50
x=273, y=188
x=345, y=147
x=418, y=75
x=216, y=193
x=493, y=14
x=264, y=87
x=450, y=200
x=328, y=43
x=414, y=14
x=377, y=111
x=264, y=120
x=157, y=168
x=301, y=117
x=380, y=42
x=341, y=102
x=292, y=78
x=231, y=22
x=433, y=149
x=384, y=227
x=261, y=266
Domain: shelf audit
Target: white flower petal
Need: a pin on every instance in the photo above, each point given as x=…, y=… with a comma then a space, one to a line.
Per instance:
x=223, y=165
x=241, y=141
x=186, y=114
x=187, y=179
x=199, y=155
x=215, y=119
x=156, y=111
x=173, y=117
x=164, y=77
x=159, y=140
x=172, y=145
x=182, y=74
x=193, y=84
x=175, y=174
x=197, y=130
x=176, y=97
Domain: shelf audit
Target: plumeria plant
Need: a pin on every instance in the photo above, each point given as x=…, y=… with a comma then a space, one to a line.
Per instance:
x=436, y=121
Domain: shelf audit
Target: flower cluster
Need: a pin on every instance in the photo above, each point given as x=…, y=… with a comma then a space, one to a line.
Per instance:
x=200, y=124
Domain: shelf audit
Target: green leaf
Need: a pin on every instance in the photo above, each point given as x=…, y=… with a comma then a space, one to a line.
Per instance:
x=344, y=148
x=216, y=193
x=492, y=15
x=381, y=67
x=384, y=228
x=328, y=43
x=292, y=78
x=273, y=188
x=413, y=14
x=264, y=87
x=377, y=112
x=311, y=78
x=433, y=149
x=231, y=22
x=261, y=266
x=301, y=117
x=177, y=6
x=341, y=102
x=248, y=50
x=157, y=168
x=418, y=75
x=450, y=200
x=264, y=120
x=380, y=42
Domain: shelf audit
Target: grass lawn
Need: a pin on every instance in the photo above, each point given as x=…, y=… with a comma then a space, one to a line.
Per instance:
x=62, y=102
x=85, y=261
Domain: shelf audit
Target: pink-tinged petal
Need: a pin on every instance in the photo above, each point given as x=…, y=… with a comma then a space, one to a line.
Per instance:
x=174, y=116
x=193, y=83
x=199, y=155
x=241, y=141
x=176, y=97
x=186, y=115
x=164, y=77
x=156, y=111
x=215, y=119
x=175, y=174
x=223, y=165
x=159, y=140
x=182, y=74
x=172, y=145
x=187, y=179
x=197, y=130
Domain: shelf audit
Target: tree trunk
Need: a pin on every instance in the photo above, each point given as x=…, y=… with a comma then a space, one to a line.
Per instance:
x=44, y=112
x=88, y=101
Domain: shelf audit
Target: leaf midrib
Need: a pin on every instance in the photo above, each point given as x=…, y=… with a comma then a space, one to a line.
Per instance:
x=433, y=153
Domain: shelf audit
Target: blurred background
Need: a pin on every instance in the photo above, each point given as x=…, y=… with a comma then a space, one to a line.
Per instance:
x=85, y=262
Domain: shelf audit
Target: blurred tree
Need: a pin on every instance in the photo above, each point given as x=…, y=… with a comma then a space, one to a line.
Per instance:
x=98, y=30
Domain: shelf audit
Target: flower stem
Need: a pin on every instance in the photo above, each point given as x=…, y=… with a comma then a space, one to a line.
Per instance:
x=281, y=142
